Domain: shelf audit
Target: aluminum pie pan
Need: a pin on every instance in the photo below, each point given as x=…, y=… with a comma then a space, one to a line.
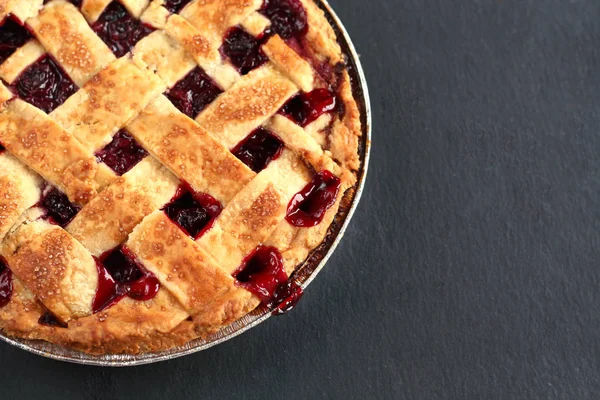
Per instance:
x=304, y=275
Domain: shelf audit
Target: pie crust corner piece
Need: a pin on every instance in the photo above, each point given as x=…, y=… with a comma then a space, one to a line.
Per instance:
x=165, y=166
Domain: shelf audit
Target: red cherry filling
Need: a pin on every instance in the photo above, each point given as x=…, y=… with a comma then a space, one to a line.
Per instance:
x=57, y=206
x=288, y=17
x=50, y=319
x=119, y=276
x=286, y=297
x=258, y=149
x=1, y=148
x=193, y=93
x=262, y=272
x=195, y=213
x=44, y=84
x=243, y=50
x=121, y=266
x=6, y=286
x=174, y=6
x=12, y=36
x=122, y=154
x=108, y=292
x=308, y=206
x=119, y=30
x=305, y=108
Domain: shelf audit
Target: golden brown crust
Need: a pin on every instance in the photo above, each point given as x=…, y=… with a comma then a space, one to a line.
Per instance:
x=40, y=143
x=198, y=295
x=299, y=141
x=105, y=104
x=107, y=220
x=218, y=15
x=56, y=268
x=295, y=243
x=155, y=15
x=20, y=316
x=19, y=8
x=5, y=95
x=66, y=35
x=249, y=103
x=183, y=268
x=346, y=131
x=202, y=50
x=92, y=9
x=192, y=40
x=126, y=323
x=255, y=212
x=322, y=46
x=14, y=65
x=255, y=24
x=19, y=190
x=289, y=63
x=189, y=151
x=164, y=56
x=225, y=310
x=242, y=226
x=129, y=326
x=320, y=41
x=135, y=7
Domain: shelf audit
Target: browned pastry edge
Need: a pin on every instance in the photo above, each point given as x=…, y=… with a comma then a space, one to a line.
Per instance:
x=322, y=45
x=29, y=310
x=20, y=317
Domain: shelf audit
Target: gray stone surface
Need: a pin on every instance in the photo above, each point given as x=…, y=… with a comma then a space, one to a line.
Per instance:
x=471, y=268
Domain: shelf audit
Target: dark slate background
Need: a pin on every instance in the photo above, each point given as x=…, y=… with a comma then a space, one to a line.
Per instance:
x=470, y=270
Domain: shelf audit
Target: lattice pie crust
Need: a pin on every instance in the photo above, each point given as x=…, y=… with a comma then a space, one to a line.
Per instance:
x=165, y=165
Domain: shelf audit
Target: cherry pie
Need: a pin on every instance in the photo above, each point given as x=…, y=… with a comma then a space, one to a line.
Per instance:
x=165, y=165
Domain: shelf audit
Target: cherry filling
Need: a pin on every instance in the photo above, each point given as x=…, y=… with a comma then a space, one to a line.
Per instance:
x=243, y=50
x=286, y=297
x=195, y=213
x=119, y=30
x=122, y=154
x=6, y=286
x=288, y=20
x=174, y=6
x=44, y=84
x=50, y=319
x=121, y=266
x=262, y=272
x=193, y=93
x=57, y=206
x=305, y=108
x=309, y=205
x=288, y=17
x=119, y=275
x=1, y=148
x=12, y=36
x=258, y=149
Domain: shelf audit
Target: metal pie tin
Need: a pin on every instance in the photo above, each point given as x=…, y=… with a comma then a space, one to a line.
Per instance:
x=303, y=275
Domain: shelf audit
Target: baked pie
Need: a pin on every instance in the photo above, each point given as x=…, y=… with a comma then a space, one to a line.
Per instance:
x=165, y=165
